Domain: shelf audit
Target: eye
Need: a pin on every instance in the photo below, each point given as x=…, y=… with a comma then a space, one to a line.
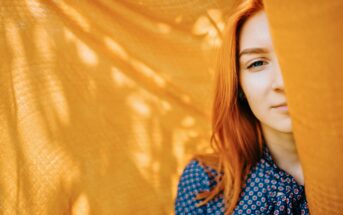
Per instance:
x=257, y=64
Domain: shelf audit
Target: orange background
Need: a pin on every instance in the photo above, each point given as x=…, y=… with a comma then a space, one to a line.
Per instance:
x=104, y=102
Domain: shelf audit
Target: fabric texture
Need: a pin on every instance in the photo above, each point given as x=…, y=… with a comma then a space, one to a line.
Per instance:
x=267, y=190
x=102, y=102
x=306, y=38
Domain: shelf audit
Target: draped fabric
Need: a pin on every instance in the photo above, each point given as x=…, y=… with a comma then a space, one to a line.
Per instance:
x=307, y=39
x=102, y=103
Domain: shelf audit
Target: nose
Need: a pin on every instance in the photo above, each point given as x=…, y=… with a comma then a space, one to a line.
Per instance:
x=278, y=83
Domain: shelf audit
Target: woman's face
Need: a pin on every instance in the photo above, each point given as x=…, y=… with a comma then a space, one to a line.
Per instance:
x=260, y=75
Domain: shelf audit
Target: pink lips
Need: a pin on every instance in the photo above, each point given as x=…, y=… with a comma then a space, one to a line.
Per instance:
x=281, y=107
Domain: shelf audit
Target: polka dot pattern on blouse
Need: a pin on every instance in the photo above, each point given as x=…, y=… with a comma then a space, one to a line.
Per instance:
x=267, y=190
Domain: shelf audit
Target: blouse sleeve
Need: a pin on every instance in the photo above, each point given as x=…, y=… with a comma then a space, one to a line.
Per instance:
x=193, y=180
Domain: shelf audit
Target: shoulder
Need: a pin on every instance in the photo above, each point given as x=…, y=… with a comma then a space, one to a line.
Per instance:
x=195, y=178
x=198, y=175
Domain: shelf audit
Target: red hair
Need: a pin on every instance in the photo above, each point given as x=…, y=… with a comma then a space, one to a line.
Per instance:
x=236, y=133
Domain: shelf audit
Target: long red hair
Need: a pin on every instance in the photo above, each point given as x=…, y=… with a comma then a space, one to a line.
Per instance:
x=236, y=133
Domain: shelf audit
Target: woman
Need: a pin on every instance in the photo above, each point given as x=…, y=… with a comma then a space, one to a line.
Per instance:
x=255, y=168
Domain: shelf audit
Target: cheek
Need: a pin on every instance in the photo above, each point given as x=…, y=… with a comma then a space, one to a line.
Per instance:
x=255, y=88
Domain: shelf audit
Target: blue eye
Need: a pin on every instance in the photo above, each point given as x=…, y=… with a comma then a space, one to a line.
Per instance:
x=257, y=64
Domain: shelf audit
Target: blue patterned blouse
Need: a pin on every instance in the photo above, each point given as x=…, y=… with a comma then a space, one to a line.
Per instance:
x=267, y=190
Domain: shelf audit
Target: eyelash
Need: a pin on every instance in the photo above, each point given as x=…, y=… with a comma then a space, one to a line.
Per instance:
x=258, y=61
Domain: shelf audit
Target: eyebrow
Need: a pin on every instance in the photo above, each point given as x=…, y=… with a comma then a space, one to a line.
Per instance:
x=253, y=51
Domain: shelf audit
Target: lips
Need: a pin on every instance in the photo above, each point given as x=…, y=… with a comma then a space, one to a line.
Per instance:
x=280, y=105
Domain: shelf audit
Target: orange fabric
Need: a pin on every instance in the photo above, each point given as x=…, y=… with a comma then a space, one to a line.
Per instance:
x=308, y=39
x=103, y=102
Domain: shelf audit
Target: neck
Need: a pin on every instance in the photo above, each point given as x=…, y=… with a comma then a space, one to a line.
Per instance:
x=284, y=153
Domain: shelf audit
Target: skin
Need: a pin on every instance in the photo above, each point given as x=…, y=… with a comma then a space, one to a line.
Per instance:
x=263, y=87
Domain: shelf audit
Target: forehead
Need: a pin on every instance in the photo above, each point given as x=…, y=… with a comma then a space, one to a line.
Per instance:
x=255, y=32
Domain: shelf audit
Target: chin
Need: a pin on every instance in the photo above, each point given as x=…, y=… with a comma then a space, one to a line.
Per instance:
x=285, y=128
